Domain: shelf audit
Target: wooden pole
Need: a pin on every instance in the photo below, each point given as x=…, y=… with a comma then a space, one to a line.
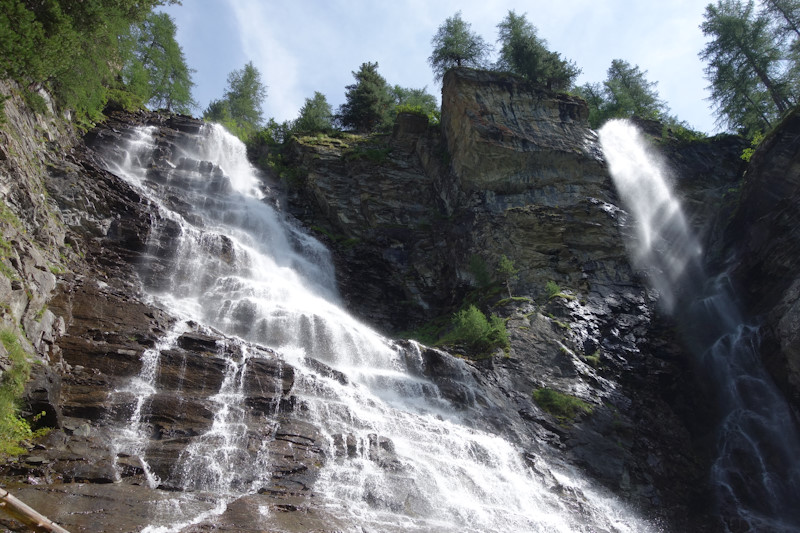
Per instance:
x=31, y=518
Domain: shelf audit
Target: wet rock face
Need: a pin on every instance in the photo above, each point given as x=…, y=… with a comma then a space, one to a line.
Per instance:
x=765, y=239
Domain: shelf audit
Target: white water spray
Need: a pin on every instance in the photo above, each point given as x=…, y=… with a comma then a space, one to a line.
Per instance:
x=757, y=469
x=400, y=456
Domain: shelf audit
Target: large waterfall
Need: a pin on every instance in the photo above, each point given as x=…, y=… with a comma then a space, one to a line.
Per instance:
x=757, y=469
x=412, y=462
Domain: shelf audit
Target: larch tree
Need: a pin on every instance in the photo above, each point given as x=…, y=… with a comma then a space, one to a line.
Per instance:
x=456, y=45
x=750, y=84
x=158, y=60
x=625, y=93
x=239, y=109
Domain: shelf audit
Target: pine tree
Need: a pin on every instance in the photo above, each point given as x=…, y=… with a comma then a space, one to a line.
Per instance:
x=368, y=102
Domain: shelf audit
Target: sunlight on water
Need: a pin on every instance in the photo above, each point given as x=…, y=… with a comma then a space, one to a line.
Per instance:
x=665, y=244
x=400, y=457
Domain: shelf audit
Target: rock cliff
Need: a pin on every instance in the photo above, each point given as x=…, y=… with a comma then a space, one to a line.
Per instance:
x=764, y=248
x=512, y=170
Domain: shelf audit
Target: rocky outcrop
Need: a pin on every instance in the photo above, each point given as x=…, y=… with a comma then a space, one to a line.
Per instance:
x=518, y=173
x=764, y=238
x=411, y=217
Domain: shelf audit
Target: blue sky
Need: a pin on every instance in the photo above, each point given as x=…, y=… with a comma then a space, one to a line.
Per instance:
x=302, y=46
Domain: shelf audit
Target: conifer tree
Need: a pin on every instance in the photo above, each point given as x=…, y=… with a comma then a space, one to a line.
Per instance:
x=157, y=70
x=315, y=115
x=750, y=84
x=239, y=110
x=368, y=102
x=456, y=45
x=524, y=53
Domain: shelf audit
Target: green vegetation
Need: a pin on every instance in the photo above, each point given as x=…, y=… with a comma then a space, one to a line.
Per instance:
x=455, y=45
x=524, y=53
x=239, y=110
x=368, y=102
x=13, y=429
x=748, y=152
x=156, y=73
x=75, y=50
x=508, y=272
x=753, y=65
x=625, y=93
x=480, y=335
x=552, y=289
x=316, y=116
x=564, y=407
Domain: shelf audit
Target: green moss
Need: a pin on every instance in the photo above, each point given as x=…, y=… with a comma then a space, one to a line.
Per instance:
x=593, y=360
x=13, y=429
x=565, y=407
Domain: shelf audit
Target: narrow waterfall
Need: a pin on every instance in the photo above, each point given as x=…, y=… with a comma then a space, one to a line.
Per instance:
x=400, y=457
x=757, y=469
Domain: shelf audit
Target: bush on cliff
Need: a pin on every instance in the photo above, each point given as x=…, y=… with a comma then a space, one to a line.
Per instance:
x=479, y=334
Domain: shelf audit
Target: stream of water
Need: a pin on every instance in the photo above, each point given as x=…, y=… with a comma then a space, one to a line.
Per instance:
x=243, y=268
x=756, y=473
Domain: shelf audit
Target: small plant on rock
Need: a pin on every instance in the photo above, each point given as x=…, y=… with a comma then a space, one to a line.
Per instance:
x=564, y=407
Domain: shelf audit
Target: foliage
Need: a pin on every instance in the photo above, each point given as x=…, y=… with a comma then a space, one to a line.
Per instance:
x=562, y=406
x=455, y=45
x=71, y=48
x=552, y=289
x=524, y=53
x=416, y=101
x=368, y=102
x=239, y=110
x=625, y=93
x=752, y=83
x=748, y=152
x=13, y=428
x=35, y=101
x=479, y=334
x=508, y=272
x=316, y=115
x=156, y=69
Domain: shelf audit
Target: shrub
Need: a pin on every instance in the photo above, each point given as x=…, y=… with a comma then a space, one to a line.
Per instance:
x=13, y=428
x=552, y=289
x=562, y=406
x=35, y=101
x=476, y=332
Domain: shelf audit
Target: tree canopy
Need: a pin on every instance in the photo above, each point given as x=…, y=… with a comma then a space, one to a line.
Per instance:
x=157, y=70
x=72, y=48
x=316, y=115
x=456, y=45
x=239, y=110
x=625, y=93
x=368, y=102
x=524, y=53
x=752, y=70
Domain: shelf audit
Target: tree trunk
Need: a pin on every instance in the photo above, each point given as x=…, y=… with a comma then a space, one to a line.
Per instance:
x=31, y=518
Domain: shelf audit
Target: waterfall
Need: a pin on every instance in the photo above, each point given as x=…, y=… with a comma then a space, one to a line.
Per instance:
x=400, y=456
x=756, y=472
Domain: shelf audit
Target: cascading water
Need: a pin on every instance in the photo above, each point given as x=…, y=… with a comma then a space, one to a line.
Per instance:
x=757, y=469
x=400, y=456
